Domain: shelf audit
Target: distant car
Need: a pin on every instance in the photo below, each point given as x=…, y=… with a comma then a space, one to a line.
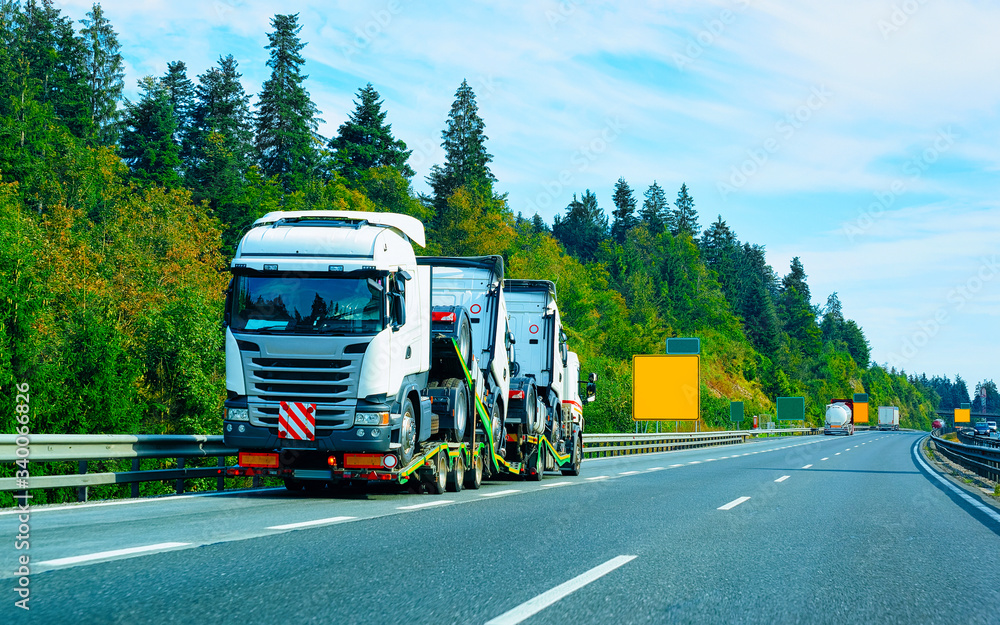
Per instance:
x=938, y=424
x=981, y=428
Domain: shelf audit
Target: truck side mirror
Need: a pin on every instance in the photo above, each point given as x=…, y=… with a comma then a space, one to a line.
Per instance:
x=592, y=378
x=510, y=339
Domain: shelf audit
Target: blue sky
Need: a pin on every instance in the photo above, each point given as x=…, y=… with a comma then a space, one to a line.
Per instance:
x=861, y=136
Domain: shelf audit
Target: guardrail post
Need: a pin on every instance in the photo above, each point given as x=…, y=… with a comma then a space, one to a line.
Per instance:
x=81, y=492
x=220, y=482
x=135, y=485
x=180, y=481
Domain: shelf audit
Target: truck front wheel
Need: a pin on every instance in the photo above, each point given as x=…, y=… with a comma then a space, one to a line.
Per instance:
x=407, y=433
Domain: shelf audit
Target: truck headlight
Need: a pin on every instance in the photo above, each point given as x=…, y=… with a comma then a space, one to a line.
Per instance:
x=237, y=414
x=371, y=418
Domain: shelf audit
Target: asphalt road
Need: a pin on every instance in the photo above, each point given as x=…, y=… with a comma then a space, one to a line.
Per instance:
x=803, y=529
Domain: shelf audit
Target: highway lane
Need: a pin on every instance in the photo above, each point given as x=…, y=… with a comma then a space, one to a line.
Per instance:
x=850, y=537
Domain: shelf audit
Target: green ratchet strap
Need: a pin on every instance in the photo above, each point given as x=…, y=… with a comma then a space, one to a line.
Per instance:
x=479, y=407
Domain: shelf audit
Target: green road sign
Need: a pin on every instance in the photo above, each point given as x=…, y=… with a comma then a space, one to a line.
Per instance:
x=736, y=411
x=684, y=346
x=791, y=408
x=861, y=398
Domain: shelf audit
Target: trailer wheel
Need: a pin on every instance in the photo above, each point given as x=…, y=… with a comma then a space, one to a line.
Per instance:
x=474, y=476
x=577, y=460
x=536, y=465
x=457, y=474
x=293, y=485
x=437, y=481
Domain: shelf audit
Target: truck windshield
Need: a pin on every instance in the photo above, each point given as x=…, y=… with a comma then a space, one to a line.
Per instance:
x=306, y=305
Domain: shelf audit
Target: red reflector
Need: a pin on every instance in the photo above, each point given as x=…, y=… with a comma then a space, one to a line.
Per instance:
x=362, y=461
x=516, y=394
x=512, y=438
x=447, y=317
x=264, y=461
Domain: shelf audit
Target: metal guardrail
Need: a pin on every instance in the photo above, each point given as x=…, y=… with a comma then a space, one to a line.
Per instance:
x=82, y=448
x=981, y=457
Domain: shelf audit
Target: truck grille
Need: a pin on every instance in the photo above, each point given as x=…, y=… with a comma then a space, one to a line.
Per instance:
x=274, y=375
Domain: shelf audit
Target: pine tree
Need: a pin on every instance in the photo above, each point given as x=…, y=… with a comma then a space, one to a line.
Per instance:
x=797, y=312
x=105, y=75
x=365, y=141
x=583, y=228
x=53, y=55
x=466, y=159
x=221, y=143
x=685, y=217
x=717, y=245
x=286, y=121
x=654, y=209
x=147, y=143
x=180, y=93
x=832, y=324
x=624, y=213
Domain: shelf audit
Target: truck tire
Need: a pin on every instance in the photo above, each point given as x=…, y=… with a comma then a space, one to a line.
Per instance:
x=456, y=475
x=474, y=476
x=465, y=341
x=293, y=485
x=457, y=434
x=407, y=433
x=530, y=410
x=496, y=424
x=576, y=461
x=536, y=465
x=437, y=482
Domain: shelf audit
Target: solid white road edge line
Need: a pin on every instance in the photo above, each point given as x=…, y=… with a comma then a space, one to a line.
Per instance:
x=732, y=504
x=110, y=554
x=547, y=598
x=958, y=491
x=292, y=526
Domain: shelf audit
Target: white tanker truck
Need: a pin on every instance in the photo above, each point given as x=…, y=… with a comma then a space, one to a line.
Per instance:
x=839, y=417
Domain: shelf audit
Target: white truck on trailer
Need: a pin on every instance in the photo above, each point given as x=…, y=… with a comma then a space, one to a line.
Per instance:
x=888, y=418
x=467, y=296
x=545, y=423
x=331, y=358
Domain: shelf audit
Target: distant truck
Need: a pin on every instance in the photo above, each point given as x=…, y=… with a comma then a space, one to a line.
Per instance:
x=839, y=417
x=888, y=418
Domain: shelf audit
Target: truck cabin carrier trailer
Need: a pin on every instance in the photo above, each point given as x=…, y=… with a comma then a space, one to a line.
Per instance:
x=338, y=369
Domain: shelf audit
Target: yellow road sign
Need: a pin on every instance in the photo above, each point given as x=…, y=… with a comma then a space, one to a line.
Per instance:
x=666, y=388
x=963, y=415
x=861, y=412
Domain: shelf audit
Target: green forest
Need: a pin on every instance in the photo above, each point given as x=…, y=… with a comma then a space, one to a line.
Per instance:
x=118, y=218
